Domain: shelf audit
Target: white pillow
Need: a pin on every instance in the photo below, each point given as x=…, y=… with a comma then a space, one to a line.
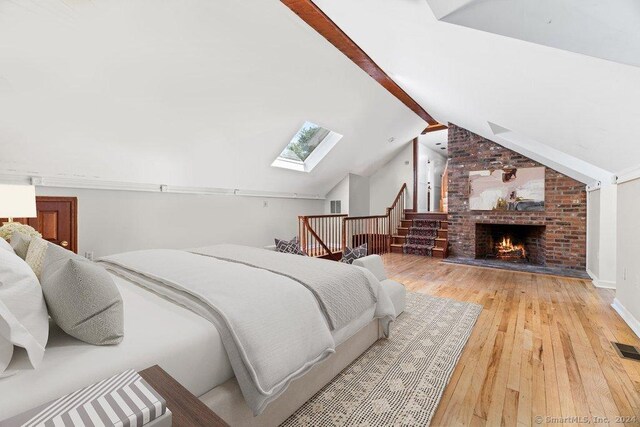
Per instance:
x=24, y=321
x=5, y=245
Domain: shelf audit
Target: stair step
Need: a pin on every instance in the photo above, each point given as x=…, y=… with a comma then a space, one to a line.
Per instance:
x=403, y=231
x=396, y=248
x=436, y=216
x=397, y=239
x=441, y=243
x=439, y=252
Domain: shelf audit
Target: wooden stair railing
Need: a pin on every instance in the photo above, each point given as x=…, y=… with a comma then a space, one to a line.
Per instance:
x=396, y=212
x=326, y=236
x=375, y=230
x=372, y=230
x=320, y=235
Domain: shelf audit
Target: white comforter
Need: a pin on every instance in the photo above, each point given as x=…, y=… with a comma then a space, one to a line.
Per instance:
x=271, y=325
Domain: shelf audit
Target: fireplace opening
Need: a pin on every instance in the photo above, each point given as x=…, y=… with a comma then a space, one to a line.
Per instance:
x=506, y=249
x=511, y=243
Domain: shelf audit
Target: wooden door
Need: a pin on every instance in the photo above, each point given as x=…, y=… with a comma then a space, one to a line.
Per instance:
x=56, y=221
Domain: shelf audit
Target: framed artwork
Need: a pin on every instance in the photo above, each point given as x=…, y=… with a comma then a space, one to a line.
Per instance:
x=508, y=189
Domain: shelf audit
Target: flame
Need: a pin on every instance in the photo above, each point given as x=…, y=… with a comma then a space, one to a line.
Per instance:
x=507, y=248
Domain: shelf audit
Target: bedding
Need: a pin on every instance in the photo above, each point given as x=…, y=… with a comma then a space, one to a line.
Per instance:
x=270, y=318
x=82, y=298
x=6, y=245
x=24, y=324
x=341, y=291
x=159, y=332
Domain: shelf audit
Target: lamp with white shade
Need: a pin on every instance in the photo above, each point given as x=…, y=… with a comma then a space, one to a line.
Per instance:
x=17, y=201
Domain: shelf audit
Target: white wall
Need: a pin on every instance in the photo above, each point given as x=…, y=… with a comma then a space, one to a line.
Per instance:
x=608, y=236
x=339, y=192
x=423, y=177
x=386, y=182
x=359, y=195
x=627, y=301
x=116, y=221
x=602, y=236
x=430, y=167
x=353, y=192
x=593, y=233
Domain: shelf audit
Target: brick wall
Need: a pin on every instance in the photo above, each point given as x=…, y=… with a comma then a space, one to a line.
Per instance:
x=565, y=212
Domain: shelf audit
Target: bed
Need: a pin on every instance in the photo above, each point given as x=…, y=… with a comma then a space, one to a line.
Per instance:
x=159, y=329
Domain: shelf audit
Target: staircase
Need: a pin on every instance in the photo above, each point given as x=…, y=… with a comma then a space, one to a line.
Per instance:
x=327, y=236
x=422, y=234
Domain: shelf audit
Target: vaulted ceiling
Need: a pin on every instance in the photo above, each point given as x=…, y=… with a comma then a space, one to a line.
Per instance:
x=208, y=93
x=183, y=92
x=575, y=112
x=607, y=30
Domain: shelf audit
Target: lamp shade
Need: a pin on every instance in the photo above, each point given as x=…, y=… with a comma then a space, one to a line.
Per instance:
x=17, y=201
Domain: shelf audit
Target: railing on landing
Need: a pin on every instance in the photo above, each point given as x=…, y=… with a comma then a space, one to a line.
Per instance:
x=376, y=231
x=321, y=235
x=327, y=236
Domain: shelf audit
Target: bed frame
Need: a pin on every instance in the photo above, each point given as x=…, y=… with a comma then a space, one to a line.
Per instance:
x=227, y=400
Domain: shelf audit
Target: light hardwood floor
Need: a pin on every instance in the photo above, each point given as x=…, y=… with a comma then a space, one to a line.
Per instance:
x=540, y=348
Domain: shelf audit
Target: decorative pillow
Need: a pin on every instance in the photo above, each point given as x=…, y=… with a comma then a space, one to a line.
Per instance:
x=351, y=255
x=9, y=228
x=24, y=322
x=6, y=246
x=289, y=246
x=36, y=253
x=20, y=244
x=82, y=297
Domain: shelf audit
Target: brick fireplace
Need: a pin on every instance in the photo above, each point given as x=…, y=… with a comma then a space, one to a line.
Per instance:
x=555, y=237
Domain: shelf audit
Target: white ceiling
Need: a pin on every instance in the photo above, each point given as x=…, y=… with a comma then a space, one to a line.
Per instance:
x=603, y=29
x=575, y=111
x=437, y=141
x=183, y=92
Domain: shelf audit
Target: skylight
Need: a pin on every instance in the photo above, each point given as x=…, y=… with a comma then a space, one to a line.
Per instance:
x=307, y=148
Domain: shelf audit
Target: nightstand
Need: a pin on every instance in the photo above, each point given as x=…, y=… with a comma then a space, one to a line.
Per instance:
x=187, y=409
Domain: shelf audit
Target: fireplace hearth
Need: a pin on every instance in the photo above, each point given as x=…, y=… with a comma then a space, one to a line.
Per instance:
x=511, y=243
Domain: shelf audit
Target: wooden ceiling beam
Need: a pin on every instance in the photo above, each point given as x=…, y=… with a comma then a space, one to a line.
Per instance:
x=434, y=128
x=319, y=21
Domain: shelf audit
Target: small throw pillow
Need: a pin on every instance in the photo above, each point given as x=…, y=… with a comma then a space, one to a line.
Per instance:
x=289, y=246
x=36, y=253
x=20, y=244
x=24, y=322
x=6, y=246
x=351, y=255
x=82, y=298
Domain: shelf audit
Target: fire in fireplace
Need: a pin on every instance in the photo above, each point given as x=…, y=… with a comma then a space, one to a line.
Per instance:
x=506, y=250
x=511, y=243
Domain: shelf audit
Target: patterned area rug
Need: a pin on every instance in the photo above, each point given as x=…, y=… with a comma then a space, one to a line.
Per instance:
x=398, y=381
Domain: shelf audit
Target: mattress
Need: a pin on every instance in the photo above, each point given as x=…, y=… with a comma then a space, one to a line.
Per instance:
x=157, y=331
